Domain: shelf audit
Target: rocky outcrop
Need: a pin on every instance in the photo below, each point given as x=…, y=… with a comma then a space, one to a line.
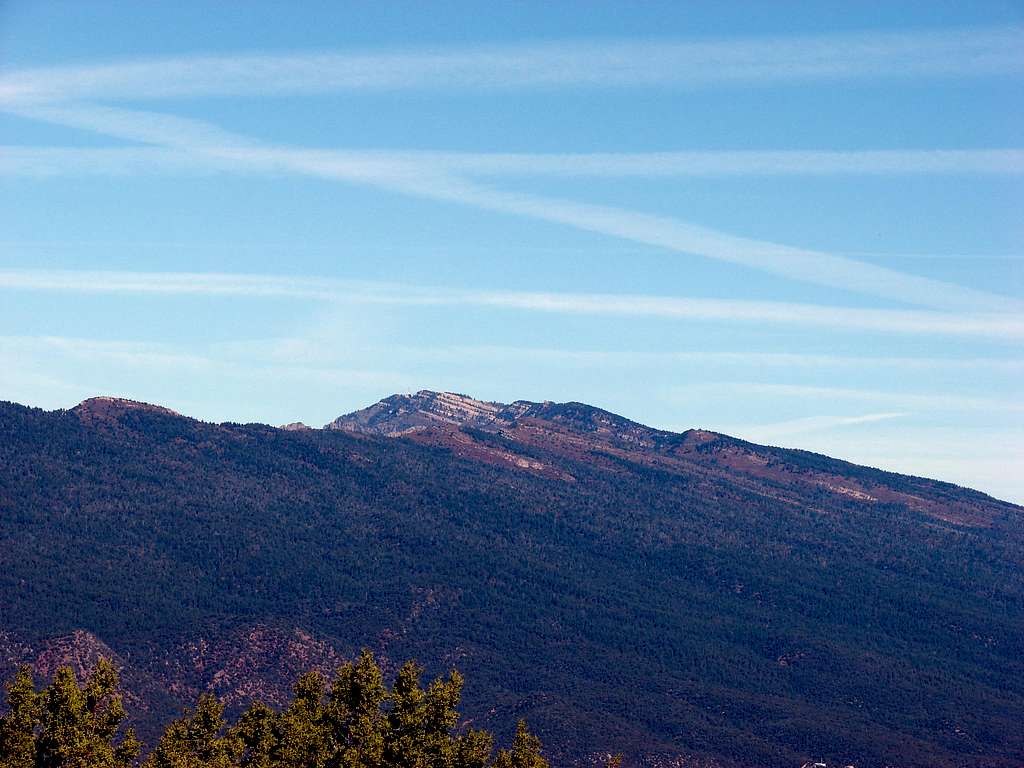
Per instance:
x=401, y=414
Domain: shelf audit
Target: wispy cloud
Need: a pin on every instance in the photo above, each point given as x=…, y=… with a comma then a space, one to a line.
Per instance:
x=672, y=234
x=304, y=353
x=996, y=325
x=597, y=63
x=58, y=161
x=145, y=354
x=901, y=400
x=175, y=283
x=784, y=429
x=198, y=137
x=116, y=161
x=574, y=358
x=898, y=321
x=720, y=163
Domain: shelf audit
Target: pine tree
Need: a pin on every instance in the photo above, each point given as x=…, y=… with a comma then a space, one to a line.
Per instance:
x=356, y=713
x=407, y=721
x=197, y=740
x=304, y=732
x=18, y=727
x=473, y=749
x=524, y=753
x=79, y=726
x=259, y=732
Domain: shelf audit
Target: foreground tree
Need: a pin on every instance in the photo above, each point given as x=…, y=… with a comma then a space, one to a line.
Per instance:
x=66, y=725
x=19, y=726
x=525, y=751
x=197, y=740
x=354, y=722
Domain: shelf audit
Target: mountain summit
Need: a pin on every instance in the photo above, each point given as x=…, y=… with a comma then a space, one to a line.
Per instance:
x=424, y=410
x=104, y=408
x=518, y=433
x=401, y=414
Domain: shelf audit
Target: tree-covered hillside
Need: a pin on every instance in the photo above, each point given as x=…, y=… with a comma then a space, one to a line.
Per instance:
x=659, y=606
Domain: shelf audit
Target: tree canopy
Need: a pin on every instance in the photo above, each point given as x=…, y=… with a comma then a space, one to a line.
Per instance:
x=352, y=721
x=66, y=723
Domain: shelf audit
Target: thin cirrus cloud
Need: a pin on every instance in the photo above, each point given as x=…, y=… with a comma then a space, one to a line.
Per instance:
x=992, y=325
x=307, y=353
x=224, y=148
x=808, y=424
x=717, y=163
x=631, y=359
x=673, y=234
x=901, y=400
x=596, y=63
x=160, y=357
x=120, y=161
x=44, y=162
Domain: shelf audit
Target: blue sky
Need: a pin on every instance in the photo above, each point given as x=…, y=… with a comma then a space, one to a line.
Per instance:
x=798, y=223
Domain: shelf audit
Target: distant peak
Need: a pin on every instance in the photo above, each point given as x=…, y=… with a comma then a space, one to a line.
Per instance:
x=105, y=405
x=426, y=409
x=296, y=426
x=399, y=414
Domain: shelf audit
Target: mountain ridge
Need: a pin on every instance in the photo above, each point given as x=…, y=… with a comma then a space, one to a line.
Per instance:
x=450, y=419
x=429, y=417
x=398, y=414
x=667, y=595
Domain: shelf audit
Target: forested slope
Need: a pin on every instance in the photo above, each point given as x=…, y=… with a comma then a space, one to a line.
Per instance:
x=656, y=594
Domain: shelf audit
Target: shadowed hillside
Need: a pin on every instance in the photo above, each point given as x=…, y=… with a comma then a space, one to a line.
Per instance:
x=624, y=588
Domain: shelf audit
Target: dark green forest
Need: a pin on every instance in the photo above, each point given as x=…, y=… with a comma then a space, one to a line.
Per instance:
x=652, y=610
x=353, y=721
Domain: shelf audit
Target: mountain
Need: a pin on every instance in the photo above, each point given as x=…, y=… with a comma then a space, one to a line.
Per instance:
x=511, y=434
x=685, y=598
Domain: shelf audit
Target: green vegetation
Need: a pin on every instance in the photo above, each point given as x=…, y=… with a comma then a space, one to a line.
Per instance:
x=66, y=724
x=353, y=722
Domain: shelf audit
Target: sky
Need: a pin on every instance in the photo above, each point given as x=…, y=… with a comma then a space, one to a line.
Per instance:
x=794, y=222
